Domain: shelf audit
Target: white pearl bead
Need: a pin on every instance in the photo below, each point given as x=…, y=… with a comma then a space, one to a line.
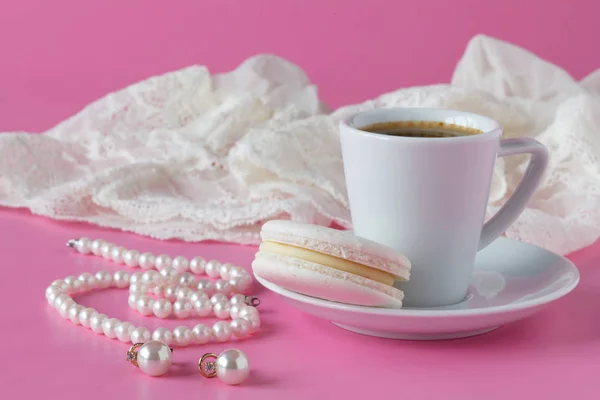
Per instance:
x=184, y=293
x=234, y=310
x=163, y=335
x=168, y=273
x=197, y=265
x=117, y=253
x=62, y=288
x=72, y=284
x=144, y=305
x=217, y=297
x=160, y=280
x=103, y=279
x=52, y=291
x=87, y=281
x=212, y=268
x=182, y=308
x=162, y=308
x=96, y=323
x=62, y=299
x=106, y=249
x=136, y=287
x=85, y=315
x=238, y=299
x=201, y=333
x=234, y=283
x=171, y=292
x=222, y=286
x=131, y=258
x=206, y=286
x=140, y=335
x=224, y=271
x=198, y=295
x=59, y=285
x=108, y=327
x=242, y=284
x=150, y=276
x=74, y=313
x=63, y=310
x=146, y=260
x=121, y=279
x=254, y=324
x=181, y=264
x=188, y=279
x=203, y=307
x=132, y=300
x=154, y=358
x=59, y=299
x=136, y=277
x=96, y=247
x=159, y=290
x=51, y=297
x=139, y=287
x=83, y=245
x=182, y=335
x=123, y=331
x=233, y=367
x=237, y=272
x=240, y=327
x=248, y=312
x=163, y=261
x=221, y=331
x=221, y=309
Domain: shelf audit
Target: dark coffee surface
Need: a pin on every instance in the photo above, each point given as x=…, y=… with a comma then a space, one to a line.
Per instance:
x=424, y=129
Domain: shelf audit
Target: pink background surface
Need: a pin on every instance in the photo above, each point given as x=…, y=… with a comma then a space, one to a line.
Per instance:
x=56, y=56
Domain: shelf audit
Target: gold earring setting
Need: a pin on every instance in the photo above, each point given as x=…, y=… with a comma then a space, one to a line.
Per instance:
x=231, y=366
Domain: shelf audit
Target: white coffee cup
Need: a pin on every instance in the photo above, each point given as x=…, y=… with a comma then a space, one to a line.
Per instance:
x=427, y=197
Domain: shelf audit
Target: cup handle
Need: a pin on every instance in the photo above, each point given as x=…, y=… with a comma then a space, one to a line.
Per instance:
x=500, y=222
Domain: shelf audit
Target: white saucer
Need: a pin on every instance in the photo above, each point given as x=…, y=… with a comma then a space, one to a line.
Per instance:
x=512, y=280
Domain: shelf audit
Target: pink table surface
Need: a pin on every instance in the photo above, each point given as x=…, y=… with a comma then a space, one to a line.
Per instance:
x=552, y=355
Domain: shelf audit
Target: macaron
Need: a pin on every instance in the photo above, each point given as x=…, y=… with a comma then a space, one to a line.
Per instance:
x=330, y=264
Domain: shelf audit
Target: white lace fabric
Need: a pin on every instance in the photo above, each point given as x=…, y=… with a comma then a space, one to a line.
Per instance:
x=195, y=156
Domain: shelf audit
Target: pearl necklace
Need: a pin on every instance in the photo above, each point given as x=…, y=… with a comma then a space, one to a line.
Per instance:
x=178, y=293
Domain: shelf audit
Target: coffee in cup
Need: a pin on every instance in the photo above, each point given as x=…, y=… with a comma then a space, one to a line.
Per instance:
x=422, y=129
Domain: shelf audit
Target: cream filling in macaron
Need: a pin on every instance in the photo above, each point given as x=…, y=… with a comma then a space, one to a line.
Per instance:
x=328, y=261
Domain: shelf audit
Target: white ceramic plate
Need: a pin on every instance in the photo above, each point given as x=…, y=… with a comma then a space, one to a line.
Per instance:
x=511, y=281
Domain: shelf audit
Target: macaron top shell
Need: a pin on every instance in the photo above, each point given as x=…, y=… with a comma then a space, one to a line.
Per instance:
x=337, y=243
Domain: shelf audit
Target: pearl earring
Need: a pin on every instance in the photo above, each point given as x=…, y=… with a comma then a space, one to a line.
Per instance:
x=231, y=366
x=153, y=357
